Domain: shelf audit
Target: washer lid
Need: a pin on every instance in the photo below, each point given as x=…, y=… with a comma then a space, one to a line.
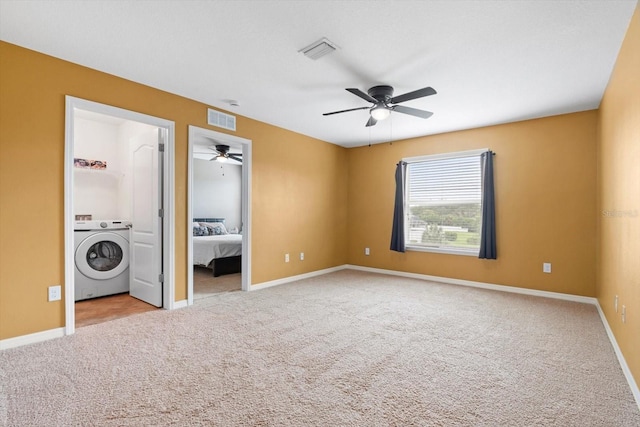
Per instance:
x=103, y=255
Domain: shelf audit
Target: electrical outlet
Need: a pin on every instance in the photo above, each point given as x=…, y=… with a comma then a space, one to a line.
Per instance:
x=301, y=256
x=367, y=251
x=546, y=267
x=615, y=303
x=286, y=257
x=55, y=293
x=624, y=314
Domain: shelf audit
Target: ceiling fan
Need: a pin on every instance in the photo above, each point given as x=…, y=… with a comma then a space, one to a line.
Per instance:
x=223, y=154
x=382, y=99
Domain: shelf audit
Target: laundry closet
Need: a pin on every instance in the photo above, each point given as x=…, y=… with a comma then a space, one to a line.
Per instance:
x=111, y=183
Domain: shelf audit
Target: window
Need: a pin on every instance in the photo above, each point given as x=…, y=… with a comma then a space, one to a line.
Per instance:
x=443, y=203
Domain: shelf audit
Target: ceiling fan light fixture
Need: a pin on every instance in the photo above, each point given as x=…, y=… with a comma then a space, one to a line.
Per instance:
x=220, y=158
x=380, y=112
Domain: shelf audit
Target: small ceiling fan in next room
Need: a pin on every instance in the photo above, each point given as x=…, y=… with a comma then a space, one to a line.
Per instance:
x=221, y=153
x=384, y=103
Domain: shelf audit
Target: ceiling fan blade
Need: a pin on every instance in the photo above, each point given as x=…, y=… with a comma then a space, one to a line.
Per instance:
x=413, y=95
x=412, y=111
x=214, y=142
x=344, y=111
x=361, y=94
x=237, y=159
x=371, y=122
x=235, y=154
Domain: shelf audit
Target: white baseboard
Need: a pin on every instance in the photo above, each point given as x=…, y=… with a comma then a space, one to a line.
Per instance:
x=284, y=280
x=619, y=355
x=31, y=338
x=179, y=304
x=501, y=288
x=482, y=285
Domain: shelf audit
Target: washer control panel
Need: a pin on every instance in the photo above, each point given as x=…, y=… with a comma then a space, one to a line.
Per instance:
x=101, y=225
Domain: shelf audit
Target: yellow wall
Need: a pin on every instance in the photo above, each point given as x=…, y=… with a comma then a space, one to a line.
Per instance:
x=618, y=254
x=545, y=178
x=300, y=198
x=297, y=183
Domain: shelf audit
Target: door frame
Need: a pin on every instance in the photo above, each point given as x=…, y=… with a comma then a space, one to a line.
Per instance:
x=168, y=204
x=227, y=139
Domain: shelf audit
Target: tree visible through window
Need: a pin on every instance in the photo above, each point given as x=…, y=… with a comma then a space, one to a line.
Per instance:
x=443, y=202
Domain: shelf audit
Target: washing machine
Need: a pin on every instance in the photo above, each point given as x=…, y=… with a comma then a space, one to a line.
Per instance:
x=101, y=258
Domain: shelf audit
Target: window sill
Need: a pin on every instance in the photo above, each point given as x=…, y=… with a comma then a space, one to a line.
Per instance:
x=443, y=251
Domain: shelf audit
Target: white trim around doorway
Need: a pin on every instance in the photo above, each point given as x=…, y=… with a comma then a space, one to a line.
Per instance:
x=168, y=257
x=232, y=140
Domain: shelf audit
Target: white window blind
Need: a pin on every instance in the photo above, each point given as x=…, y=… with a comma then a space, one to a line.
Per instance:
x=443, y=203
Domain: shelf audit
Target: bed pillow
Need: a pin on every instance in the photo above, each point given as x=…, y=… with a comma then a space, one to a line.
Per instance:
x=200, y=231
x=215, y=228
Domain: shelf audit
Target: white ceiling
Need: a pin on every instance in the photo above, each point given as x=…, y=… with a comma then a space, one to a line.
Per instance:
x=490, y=61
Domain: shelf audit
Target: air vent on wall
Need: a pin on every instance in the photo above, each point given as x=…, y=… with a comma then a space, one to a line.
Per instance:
x=318, y=49
x=222, y=120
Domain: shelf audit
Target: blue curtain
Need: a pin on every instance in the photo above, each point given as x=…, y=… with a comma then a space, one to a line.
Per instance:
x=397, y=233
x=488, y=230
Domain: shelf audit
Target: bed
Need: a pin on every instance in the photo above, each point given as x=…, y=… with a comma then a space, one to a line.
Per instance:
x=222, y=251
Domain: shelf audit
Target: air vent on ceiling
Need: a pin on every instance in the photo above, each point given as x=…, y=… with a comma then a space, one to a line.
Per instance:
x=222, y=120
x=318, y=49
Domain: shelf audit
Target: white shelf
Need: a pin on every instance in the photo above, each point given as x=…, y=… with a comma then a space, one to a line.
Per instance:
x=104, y=172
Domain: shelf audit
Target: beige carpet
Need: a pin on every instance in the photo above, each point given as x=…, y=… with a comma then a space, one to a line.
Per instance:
x=344, y=349
x=205, y=285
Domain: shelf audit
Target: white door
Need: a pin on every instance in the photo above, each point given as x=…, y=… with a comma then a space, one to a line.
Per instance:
x=146, y=231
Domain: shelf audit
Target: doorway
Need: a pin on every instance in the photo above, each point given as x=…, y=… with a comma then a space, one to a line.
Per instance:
x=146, y=169
x=207, y=145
